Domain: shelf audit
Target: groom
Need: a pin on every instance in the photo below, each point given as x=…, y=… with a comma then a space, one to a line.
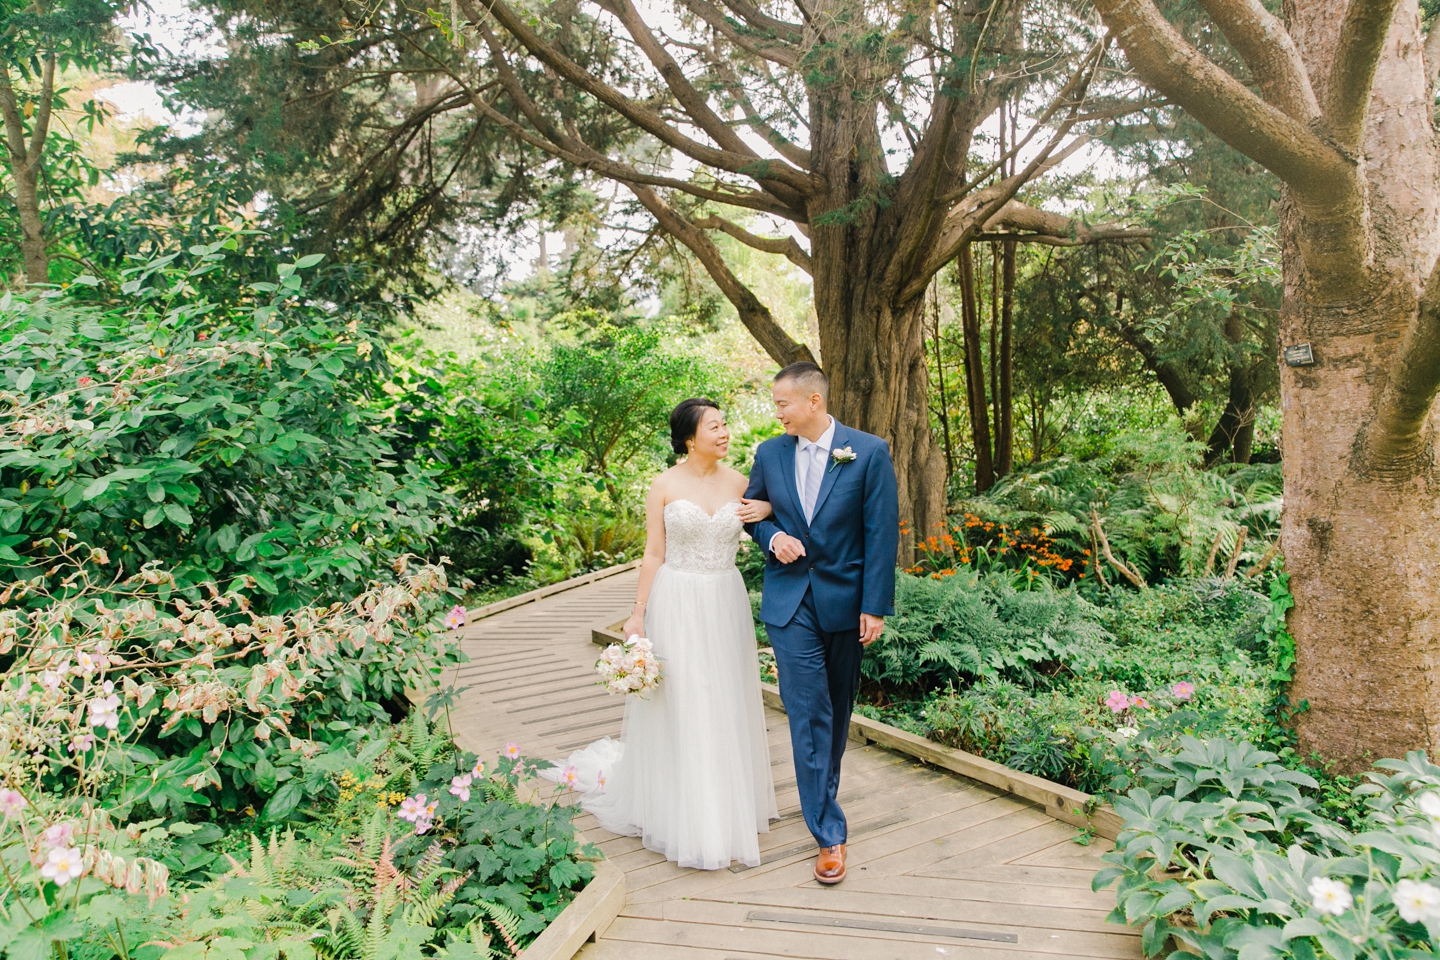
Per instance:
x=829, y=582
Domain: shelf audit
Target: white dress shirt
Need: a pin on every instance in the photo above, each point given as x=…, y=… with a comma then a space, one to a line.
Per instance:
x=806, y=460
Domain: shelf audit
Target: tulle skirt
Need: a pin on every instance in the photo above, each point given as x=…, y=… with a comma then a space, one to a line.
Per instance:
x=691, y=774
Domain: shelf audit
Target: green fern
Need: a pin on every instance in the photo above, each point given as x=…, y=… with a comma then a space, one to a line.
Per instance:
x=506, y=922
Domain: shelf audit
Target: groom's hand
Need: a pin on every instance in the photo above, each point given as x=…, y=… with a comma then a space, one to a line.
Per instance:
x=871, y=627
x=787, y=549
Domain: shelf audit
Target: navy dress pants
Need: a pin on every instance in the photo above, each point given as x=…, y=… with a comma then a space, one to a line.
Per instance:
x=819, y=675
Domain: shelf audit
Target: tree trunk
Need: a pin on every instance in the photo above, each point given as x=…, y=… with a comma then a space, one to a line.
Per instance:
x=1235, y=431
x=1360, y=530
x=944, y=414
x=975, y=374
x=1005, y=401
x=26, y=161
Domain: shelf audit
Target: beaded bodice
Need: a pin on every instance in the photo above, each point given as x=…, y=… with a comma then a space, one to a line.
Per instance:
x=697, y=542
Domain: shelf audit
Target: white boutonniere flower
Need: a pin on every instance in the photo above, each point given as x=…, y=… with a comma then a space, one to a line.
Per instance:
x=841, y=455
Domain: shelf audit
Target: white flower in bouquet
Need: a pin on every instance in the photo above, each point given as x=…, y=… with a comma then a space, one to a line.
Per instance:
x=629, y=667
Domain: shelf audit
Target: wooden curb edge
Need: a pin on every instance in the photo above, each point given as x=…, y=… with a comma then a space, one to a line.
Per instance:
x=530, y=596
x=586, y=918
x=1057, y=800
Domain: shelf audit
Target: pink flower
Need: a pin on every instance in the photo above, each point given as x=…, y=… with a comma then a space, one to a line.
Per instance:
x=202, y=336
x=478, y=773
x=1183, y=690
x=455, y=618
x=460, y=787
x=568, y=776
x=62, y=865
x=1139, y=701
x=11, y=802
x=1117, y=701
x=58, y=835
x=422, y=825
x=81, y=742
x=512, y=750
x=412, y=808
x=86, y=382
x=600, y=781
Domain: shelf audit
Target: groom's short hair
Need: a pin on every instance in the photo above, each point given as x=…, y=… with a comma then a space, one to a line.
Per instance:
x=808, y=377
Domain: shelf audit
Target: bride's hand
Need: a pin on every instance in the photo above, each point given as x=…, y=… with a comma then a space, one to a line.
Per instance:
x=753, y=511
x=634, y=627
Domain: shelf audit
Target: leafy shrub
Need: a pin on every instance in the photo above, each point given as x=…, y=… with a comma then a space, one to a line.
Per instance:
x=969, y=626
x=127, y=694
x=1224, y=853
x=222, y=436
x=429, y=851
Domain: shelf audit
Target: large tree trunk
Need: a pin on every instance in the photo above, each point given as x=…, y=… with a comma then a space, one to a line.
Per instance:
x=873, y=350
x=1361, y=525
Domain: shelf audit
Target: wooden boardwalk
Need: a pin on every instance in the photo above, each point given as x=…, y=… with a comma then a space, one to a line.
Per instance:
x=940, y=866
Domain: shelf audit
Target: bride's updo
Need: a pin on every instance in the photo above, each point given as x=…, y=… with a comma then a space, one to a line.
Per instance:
x=685, y=421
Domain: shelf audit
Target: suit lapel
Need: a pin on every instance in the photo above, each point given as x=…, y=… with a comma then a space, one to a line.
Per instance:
x=787, y=470
x=832, y=470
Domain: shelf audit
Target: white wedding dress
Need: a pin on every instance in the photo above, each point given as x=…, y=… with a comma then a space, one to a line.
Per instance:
x=691, y=773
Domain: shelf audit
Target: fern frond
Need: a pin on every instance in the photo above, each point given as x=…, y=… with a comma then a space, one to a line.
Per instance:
x=506, y=921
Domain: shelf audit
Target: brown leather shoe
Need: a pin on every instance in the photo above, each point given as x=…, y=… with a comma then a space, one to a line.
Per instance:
x=830, y=865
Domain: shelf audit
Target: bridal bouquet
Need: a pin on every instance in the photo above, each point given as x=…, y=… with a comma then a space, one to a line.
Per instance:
x=629, y=667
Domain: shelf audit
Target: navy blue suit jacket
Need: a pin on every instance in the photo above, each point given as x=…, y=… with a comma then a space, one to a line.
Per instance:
x=850, y=546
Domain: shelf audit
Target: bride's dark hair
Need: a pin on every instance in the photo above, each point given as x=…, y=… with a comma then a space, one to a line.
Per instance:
x=685, y=421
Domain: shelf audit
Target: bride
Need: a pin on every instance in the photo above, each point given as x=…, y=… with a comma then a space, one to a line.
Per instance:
x=691, y=774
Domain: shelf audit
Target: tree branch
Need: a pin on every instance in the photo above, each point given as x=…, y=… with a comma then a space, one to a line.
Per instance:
x=758, y=20
x=796, y=154
x=784, y=56
x=14, y=125
x=575, y=151
x=1269, y=52
x=1362, y=39
x=785, y=246
x=42, y=112
x=1395, y=442
x=966, y=220
x=1129, y=572
x=1054, y=229
x=1317, y=172
x=642, y=116
x=754, y=314
x=690, y=99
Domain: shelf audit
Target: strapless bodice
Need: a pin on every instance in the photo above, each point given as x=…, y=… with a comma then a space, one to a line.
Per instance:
x=698, y=542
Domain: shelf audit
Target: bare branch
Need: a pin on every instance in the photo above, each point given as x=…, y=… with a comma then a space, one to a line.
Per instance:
x=1130, y=573
x=785, y=246
x=1269, y=52
x=754, y=314
x=1235, y=557
x=642, y=116
x=1362, y=38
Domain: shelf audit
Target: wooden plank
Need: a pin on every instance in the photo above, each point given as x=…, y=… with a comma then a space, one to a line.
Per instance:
x=1058, y=800
x=1035, y=937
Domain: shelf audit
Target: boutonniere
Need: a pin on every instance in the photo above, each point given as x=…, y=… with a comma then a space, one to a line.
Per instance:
x=840, y=455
